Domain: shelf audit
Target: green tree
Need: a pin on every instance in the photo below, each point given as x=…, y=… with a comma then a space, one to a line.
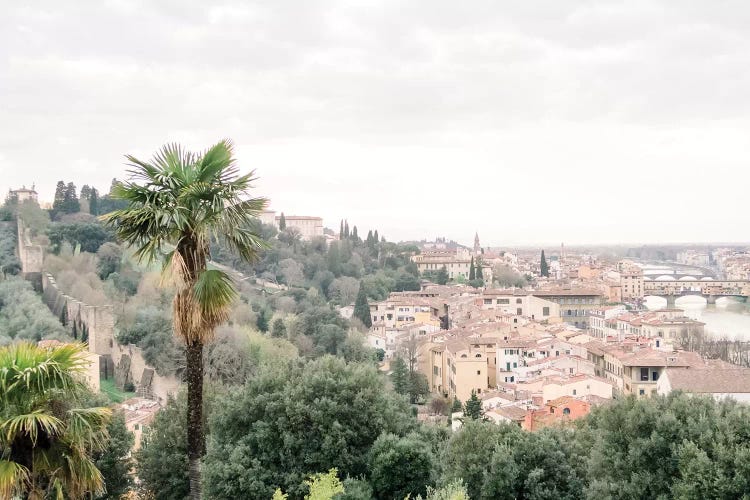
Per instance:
x=48, y=438
x=278, y=329
x=263, y=319
x=110, y=259
x=362, y=307
x=451, y=491
x=184, y=199
x=70, y=200
x=442, y=276
x=59, y=202
x=324, y=486
x=282, y=222
x=473, y=407
x=115, y=462
x=472, y=270
x=327, y=411
x=479, y=273
x=543, y=268
x=94, y=202
x=400, y=376
x=341, y=231
x=457, y=406
x=400, y=466
x=346, y=229
x=162, y=461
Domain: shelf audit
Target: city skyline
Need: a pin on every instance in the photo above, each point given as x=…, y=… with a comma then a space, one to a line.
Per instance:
x=565, y=123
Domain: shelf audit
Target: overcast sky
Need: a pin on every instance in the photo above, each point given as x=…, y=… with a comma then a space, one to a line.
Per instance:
x=529, y=122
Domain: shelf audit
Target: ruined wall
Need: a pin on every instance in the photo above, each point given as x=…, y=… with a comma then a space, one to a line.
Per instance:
x=30, y=255
x=96, y=325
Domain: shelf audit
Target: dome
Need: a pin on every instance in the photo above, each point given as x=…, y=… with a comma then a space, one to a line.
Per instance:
x=688, y=278
x=664, y=277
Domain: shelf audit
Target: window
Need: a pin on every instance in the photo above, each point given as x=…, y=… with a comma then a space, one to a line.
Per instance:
x=503, y=301
x=519, y=311
x=479, y=372
x=488, y=301
x=135, y=427
x=545, y=311
x=641, y=392
x=507, y=367
x=515, y=365
x=519, y=301
x=435, y=370
x=566, y=411
x=575, y=392
x=644, y=374
x=654, y=376
x=478, y=355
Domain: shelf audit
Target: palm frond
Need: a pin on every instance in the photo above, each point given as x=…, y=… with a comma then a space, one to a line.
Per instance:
x=214, y=293
x=87, y=427
x=14, y=478
x=30, y=424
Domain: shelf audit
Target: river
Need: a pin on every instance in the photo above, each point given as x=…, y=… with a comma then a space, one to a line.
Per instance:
x=727, y=319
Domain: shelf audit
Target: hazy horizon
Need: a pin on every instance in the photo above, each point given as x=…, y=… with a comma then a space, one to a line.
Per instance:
x=588, y=124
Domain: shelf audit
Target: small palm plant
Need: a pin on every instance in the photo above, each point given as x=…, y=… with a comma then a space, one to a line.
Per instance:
x=46, y=437
x=177, y=202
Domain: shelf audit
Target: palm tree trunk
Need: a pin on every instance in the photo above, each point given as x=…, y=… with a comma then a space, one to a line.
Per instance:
x=196, y=439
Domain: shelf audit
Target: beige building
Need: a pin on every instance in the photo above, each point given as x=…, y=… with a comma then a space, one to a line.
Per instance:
x=456, y=263
x=577, y=386
x=519, y=303
x=308, y=227
x=575, y=303
x=24, y=194
x=631, y=281
x=139, y=414
x=457, y=367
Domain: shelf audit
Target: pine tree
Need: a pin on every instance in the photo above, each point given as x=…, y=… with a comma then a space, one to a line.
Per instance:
x=70, y=200
x=85, y=192
x=543, y=268
x=362, y=307
x=472, y=271
x=282, y=222
x=59, y=202
x=457, y=406
x=94, y=202
x=473, y=407
x=400, y=376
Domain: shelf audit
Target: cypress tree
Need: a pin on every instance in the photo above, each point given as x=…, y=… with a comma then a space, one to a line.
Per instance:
x=346, y=228
x=354, y=234
x=70, y=199
x=543, y=268
x=400, y=376
x=375, y=237
x=282, y=222
x=341, y=231
x=59, y=202
x=442, y=276
x=369, y=238
x=472, y=271
x=94, y=202
x=362, y=307
x=479, y=272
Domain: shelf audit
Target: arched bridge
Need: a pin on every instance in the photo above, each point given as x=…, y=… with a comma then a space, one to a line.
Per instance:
x=712, y=290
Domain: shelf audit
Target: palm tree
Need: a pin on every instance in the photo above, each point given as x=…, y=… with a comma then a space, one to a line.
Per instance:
x=46, y=439
x=183, y=201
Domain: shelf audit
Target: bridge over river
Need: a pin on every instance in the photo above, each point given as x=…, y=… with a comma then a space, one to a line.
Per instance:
x=711, y=289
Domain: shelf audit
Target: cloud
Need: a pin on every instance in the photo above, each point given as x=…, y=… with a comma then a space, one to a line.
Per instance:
x=528, y=121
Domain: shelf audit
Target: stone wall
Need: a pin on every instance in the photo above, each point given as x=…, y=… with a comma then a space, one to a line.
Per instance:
x=30, y=255
x=95, y=325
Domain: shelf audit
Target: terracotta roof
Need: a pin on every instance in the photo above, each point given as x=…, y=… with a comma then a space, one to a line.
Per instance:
x=710, y=380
